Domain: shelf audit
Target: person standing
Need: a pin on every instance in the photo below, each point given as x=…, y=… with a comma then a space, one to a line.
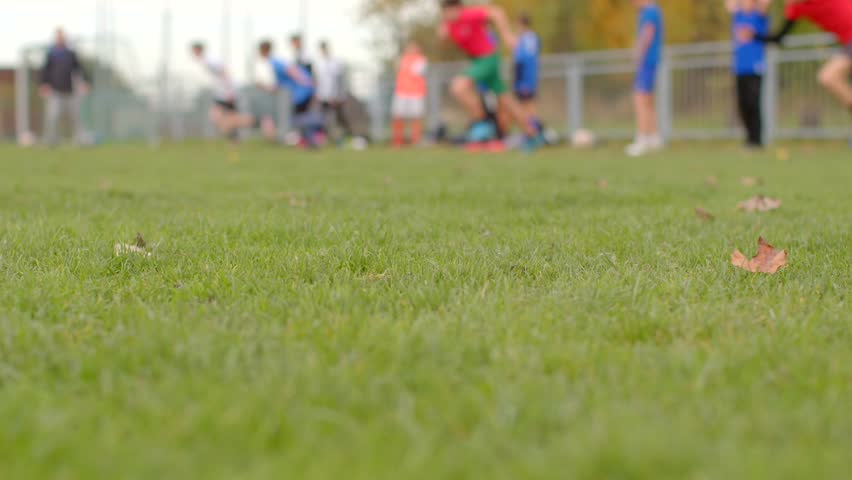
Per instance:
x=62, y=69
x=299, y=55
x=527, y=61
x=649, y=50
x=750, y=19
x=331, y=87
x=409, y=102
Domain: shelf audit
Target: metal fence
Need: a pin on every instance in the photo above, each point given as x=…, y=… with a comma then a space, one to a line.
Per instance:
x=696, y=94
x=591, y=90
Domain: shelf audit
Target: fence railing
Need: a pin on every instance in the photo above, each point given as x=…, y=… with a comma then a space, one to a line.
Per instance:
x=696, y=92
x=590, y=90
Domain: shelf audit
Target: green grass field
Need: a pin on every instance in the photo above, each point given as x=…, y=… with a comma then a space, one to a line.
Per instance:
x=422, y=315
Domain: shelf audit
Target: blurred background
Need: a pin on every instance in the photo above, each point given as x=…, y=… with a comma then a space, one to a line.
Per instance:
x=147, y=88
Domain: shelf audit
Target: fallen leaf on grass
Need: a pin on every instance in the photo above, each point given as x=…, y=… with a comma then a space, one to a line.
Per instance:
x=388, y=180
x=704, y=215
x=782, y=154
x=751, y=181
x=603, y=184
x=768, y=259
x=375, y=277
x=105, y=185
x=126, y=249
x=138, y=247
x=759, y=204
x=711, y=182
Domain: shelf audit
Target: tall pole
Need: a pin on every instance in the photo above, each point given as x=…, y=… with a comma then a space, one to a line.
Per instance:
x=303, y=20
x=226, y=31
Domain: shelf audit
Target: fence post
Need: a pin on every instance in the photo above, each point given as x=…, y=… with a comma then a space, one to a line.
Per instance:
x=377, y=116
x=435, y=87
x=664, y=98
x=574, y=95
x=22, y=97
x=285, y=114
x=770, y=95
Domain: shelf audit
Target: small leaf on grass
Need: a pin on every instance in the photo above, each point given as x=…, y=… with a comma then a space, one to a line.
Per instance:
x=711, y=182
x=126, y=249
x=751, y=181
x=759, y=204
x=388, y=180
x=140, y=241
x=292, y=199
x=704, y=215
x=603, y=184
x=768, y=259
x=782, y=154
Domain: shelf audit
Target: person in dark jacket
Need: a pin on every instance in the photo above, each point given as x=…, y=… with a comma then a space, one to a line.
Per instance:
x=62, y=71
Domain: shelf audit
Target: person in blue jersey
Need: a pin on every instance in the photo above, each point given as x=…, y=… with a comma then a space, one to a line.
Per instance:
x=527, y=58
x=750, y=20
x=298, y=81
x=649, y=51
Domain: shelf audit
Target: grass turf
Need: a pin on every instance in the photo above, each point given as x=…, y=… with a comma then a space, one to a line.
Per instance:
x=425, y=314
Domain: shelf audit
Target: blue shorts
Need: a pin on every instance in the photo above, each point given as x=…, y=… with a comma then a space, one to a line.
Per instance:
x=646, y=79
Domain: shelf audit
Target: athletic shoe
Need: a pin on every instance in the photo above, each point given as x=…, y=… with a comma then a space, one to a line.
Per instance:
x=643, y=147
x=532, y=144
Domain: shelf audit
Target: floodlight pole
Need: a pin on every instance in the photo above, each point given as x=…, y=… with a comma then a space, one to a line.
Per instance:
x=226, y=31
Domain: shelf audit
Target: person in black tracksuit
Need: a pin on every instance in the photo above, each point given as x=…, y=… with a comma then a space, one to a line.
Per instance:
x=750, y=19
x=61, y=68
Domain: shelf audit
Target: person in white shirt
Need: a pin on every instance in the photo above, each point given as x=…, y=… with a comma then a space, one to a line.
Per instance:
x=331, y=87
x=224, y=92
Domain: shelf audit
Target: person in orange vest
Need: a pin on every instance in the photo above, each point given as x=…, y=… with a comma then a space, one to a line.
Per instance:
x=409, y=103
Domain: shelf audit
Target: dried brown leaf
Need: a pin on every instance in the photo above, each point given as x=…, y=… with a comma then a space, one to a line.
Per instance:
x=759, y=204
x=603, y=184
x=768, y=259
x=704, y=215
x=711, y=182
x=140, y=241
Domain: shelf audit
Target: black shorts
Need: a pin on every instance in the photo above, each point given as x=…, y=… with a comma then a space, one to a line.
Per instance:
x=303, y=107
x=526, y=96
x=228, y=105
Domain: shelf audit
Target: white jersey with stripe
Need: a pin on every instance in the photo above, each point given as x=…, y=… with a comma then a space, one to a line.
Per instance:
x=223, y=87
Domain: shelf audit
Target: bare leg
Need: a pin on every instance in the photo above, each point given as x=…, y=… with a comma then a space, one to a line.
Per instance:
x=464, y=90
x=834, y=76
x=398, y=127
x=510, y=105
x=646, y=114
x=416, y=131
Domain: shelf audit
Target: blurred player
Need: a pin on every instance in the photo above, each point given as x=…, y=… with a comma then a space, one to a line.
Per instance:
x=61, y=68
x=409, y=102
x=298, y=81
x=649, y=49
x=299, y=55
x=527, y=53
x=833, y=16
x=224, y=93
x=750, y=19
x=467, y=27
x=331, y=88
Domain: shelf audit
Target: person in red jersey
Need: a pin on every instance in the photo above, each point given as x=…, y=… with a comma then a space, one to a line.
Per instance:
x=468, y=28
x=833, y=16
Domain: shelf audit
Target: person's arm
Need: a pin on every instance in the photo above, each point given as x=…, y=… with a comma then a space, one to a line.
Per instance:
x=44, y=84
x=299, y=76
x=77, y=66
x=498, y=17
x=779, y=36
x=646, y=38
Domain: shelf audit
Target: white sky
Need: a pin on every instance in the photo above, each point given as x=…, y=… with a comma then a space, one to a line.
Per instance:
x=30, y=21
